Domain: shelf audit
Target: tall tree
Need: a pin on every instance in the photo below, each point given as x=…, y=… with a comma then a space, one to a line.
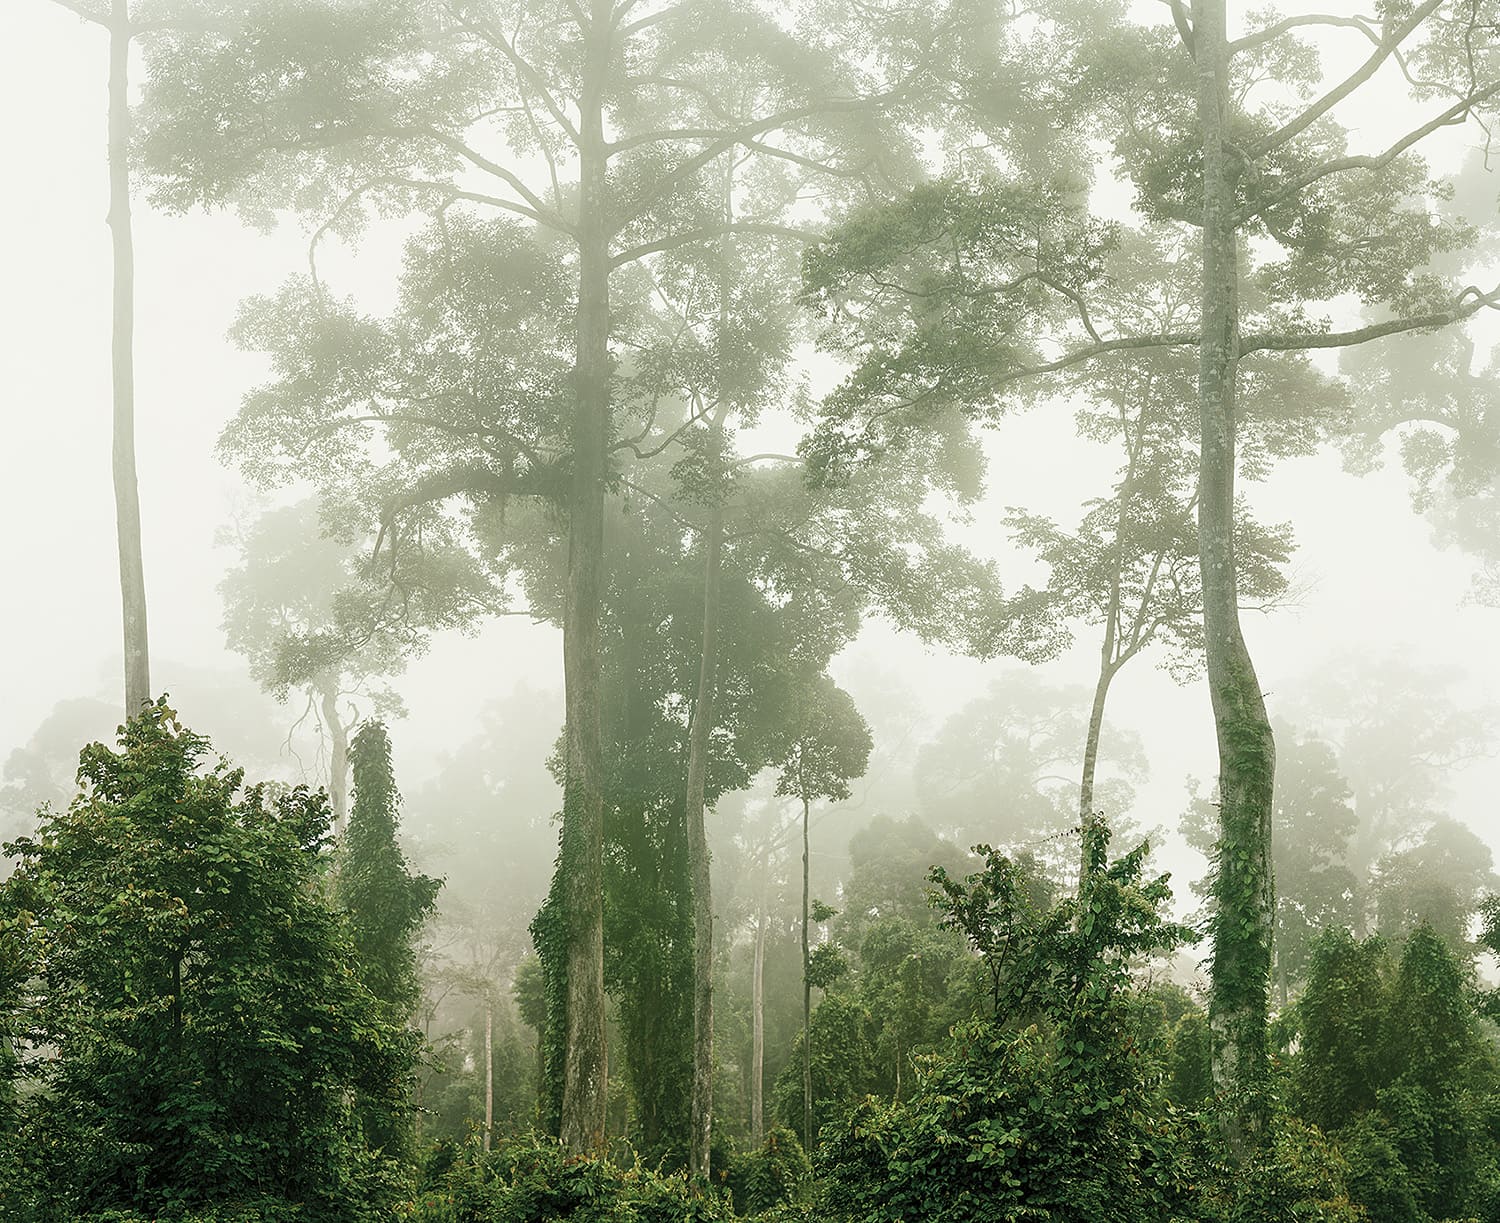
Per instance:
x=831, y=746
x=1313, y=821
x=387, y=905
x=626, y=116
x=114, y=16
x=1263, y=172
x=1287, y=217
x=288, y=610
x=1130, y=568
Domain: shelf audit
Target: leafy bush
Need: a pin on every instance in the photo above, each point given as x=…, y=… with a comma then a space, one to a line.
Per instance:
x=191, y=1022
x=531, y=1180
x=772, y=1176
x=1298, y=1176
x=1393, y=1064
x=1050, y=1109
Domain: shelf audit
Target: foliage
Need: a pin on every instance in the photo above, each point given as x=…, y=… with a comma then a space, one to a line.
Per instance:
x=1048, y=1109
x=829, y=745
x=777, y=1173
x=193, y=1023
x=531, y=1180
x=386, y=906
x=1436, y=879
x=1004, y=768
x=843, y=1065
x=386, y=903
x=1312, y=823
x=1393, y=1065
x=1297, y=1174
x=299, y=609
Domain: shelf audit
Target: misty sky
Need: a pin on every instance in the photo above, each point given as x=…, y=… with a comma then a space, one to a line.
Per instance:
x=1371, y=579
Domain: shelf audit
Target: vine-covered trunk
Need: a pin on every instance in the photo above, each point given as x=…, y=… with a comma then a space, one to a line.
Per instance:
x=758, y=1028
x=580, y=867
x=489, y=1074
x=698, y=857
x=338, y=762
x=1087, y=815
x=122, y=370
x=1243, y=887
x=807, y=1099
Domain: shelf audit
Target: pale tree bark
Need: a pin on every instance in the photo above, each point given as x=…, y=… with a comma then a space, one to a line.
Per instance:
x=1111, y=659
x=122, y=369
x=489, y=1074
x=698, y=855
x=807, y=1097
x=1243, y=884
x=585, y=1067
x=758, y=1028
x=338, y=758
x=700, y=1138
x=1088, y=816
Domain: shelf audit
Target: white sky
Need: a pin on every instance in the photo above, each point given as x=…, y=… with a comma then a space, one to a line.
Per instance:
x=1375, y=582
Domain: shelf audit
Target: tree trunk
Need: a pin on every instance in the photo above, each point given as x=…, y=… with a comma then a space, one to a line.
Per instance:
x=758, y=1028
x=807, y=1107
x=1110, y=662
x=698, y=857
x=585, y=1067
x=489, y=1073
x=1243, y=885
x=338, y=764
x=122, y=365
x=1087, y=816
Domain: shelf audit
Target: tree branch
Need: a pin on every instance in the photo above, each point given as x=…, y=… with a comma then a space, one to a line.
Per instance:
x=1271, y=33
x=1469, y=302
x=1338, y=165
x=687, y=238
x=1388, y=46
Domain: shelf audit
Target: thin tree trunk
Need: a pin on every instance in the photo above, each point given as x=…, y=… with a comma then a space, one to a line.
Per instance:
x=698, y=857
x=489, y=1073
x=1243, y=885
x=1087, y=816
x=758, y=1028
x=1110, y=659
x=338, y=763
x=807, y=1098
x=585, y=1069
x=122, y=364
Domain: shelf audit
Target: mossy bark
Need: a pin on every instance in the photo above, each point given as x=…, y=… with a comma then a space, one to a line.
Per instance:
x=1243, y=886
x=585, y=1068
x=698, y=855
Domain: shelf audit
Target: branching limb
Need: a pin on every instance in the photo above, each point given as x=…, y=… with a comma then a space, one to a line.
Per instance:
x=688, y=237
x=1389, y=45
x=1454, y=114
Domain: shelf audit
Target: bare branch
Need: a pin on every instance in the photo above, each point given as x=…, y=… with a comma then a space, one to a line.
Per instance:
x=1365, y=25
x=1388, y=46
x=722, y=142
x=524, y=70
x=1454, y=114
x=1469, y=302
x=688, y=237
x=540, y=211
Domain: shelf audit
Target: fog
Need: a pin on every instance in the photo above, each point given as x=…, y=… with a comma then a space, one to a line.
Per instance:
x=1369, y=581
x=1380, y=645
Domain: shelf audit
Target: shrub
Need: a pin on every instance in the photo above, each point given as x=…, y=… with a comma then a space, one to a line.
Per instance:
x=532, y=1180
x=1051, y=1109
x=191, y=1022
x=771, y=1176
x=1298, y=1176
